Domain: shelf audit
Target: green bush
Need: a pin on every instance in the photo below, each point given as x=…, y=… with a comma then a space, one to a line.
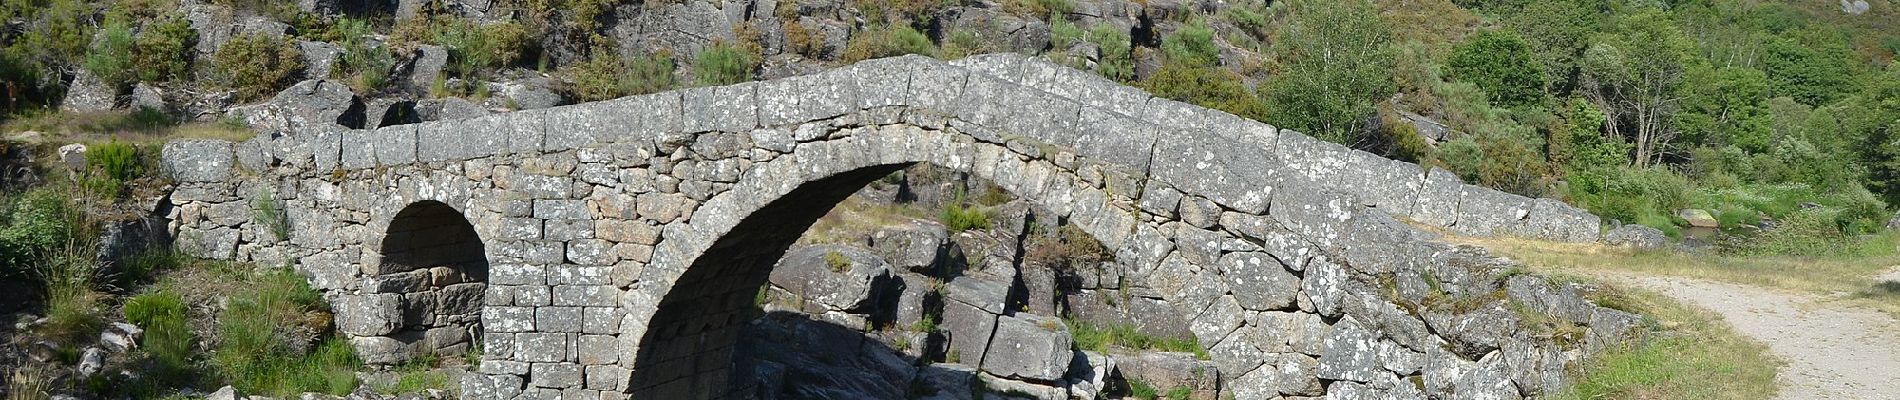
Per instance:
x=1336, y=64
x=257, y=65
x=725, y=64
x=961, y=218
x=163, y=51
x=1502, y=63
x=365, y=62
x=110, y=57
x=118, y=160
x=607, y=77
x=36, y=224
x=1207, y=86
x=474, y=47
x=1646, y=196
x=1192, y=45
x=1118, y=60
x=887, y=41
x=267, y=342
x=962, y=44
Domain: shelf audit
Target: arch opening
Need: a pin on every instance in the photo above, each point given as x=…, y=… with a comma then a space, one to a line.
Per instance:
x=798, y=286
x=433, y=259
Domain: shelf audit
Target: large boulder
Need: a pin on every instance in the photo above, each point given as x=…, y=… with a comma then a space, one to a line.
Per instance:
x=319, y=58
x=1166, y=371
x=1699, y=218
x=917, y=245
x=316, y=103
x=837, y=277
x=88, y=93
x=1030, y=347
x=993, y=25
x=1643, y=237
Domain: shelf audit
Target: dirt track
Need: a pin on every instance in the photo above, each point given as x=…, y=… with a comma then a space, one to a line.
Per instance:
x=1833, y=352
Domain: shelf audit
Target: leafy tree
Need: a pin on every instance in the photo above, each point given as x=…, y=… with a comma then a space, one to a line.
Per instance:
x=1501, y=63
x=1558, y=31
x=1726, y=106
x=110, y=57
x=1335, y=65
x=1812, y=67
x=1634, y=75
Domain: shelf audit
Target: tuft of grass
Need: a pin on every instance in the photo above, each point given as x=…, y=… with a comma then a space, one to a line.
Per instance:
x=167, y=339
x=28, y=384
x=1098, y=339
x=1142, y=390
x=725, y=64
x=837, y=261
x=71, y=302
x=265, y=335
x=267, y=210
x=960, y=217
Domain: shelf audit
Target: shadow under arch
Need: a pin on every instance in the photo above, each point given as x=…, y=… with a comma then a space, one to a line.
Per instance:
x=433, y=257
x=687, y=351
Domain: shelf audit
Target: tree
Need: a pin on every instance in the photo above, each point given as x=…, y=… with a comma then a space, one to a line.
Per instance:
x=1634, y=75
x=1812, y=66
x=1502, y=64
x=1558, y=31
x=110, y=57
x=1335, y=64
x=1726, y=106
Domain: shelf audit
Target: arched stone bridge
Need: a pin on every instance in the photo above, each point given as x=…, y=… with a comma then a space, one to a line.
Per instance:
x=613, y=249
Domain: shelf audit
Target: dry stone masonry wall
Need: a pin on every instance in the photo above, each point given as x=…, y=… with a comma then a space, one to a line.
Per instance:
x=623, y=242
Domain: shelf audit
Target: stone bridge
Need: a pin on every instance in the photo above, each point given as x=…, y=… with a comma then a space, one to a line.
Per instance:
x=613, y=249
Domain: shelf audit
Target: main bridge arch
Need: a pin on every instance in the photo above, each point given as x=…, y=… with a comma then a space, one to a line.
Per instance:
x=625, y=239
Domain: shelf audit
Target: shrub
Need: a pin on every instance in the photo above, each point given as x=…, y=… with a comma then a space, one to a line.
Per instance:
x=116, y=159
x=365, y=62
x=1502, y=63
x=35, y=225
x=961, y=218
x=1118, y=60
x=474, y=47
x=1207, y=86
x=724, y=64
x=1192, y=45
x=887, y=41
x=110, y=57
x=163, y=51
x=266, y=335
x=962, y=44
x=167, y=339
x=606, y=77
x=257, y=65
x=799, y=40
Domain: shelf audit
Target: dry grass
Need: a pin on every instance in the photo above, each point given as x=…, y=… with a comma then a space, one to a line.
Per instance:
x=1691, y=355
x=1848, y=281
x=852, y=219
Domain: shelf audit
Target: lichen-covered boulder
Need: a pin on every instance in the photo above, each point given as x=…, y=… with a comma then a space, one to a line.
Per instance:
x=838, y=277
x=917, y=245
x=1030, y=347
x=1643, y=237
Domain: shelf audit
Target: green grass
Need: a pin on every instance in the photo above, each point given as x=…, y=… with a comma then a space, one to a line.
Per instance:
x=261, y=332
x=961, y=218
x=419, y=374
x=168, y=340
x=1098, y=339
x=1693, y=355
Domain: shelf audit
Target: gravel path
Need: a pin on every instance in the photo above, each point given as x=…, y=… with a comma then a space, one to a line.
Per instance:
x=1833, y=352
